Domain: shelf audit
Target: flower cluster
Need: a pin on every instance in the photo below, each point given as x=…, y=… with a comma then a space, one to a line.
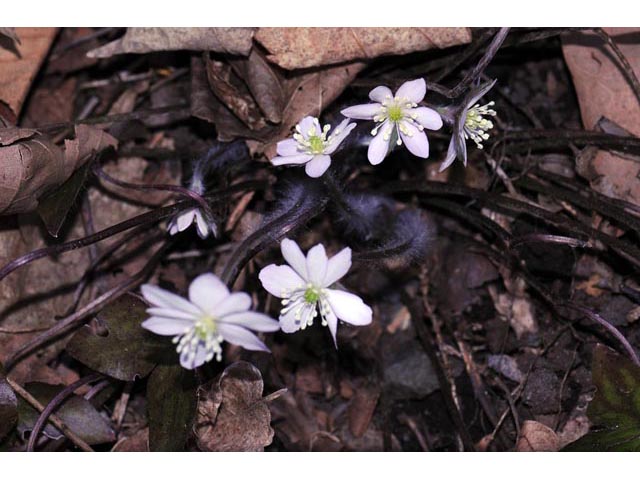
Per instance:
x=212, y=314
x=308, y=284
x=398, y=119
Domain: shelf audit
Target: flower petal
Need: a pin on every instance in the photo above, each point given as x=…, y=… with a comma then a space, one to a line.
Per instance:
x=291, y=160
x=202, y=225
x=277, y=279
x=317, y=264
x=379, y=147
x=207, y=291
x=199, y=359
x=427, y=117
x=349, y=307
x=337, y=267
x=288, y=322
x=415, y=140
x=167, y=326
x=234, y=303
x=172, y=313
x=332, y=323
x=365, y=111
x=480, y=92
x=341, y=132
x=241, y=336
x=288, y=147
x=252, y=320
x=451, y=156
x=309, y=126
x=414, y=91
x=185, y=219
x=294, y=257
x=159, y=297
x=380, y=94
x=316, y=167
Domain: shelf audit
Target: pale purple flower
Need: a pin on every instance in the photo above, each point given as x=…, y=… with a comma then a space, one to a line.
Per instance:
x=183, y=220
x=469, y=122
x=305, y=289
x=399, y=119
x=312, y=146
x=210, y=316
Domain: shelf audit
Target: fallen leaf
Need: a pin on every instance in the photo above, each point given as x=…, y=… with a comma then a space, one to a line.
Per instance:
x=128, y=351
x=309, y=94
x=234, y=95
x=8, y=406
x=54, y=208
x=536, y=437
x=264, y=83
x=305, y=47
x=19, y=67
x=172, y=401
x=138, y=442
x=361, y=409
x=604, y=91
x=232, y=415
x=231, y=40
x=614, y=411
x=33, y=166
x=76, y=412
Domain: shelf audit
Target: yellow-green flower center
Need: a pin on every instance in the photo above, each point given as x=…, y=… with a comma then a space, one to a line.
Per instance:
x=316, y=144
x=395, y=113
x=311, y=295
x=205, y=327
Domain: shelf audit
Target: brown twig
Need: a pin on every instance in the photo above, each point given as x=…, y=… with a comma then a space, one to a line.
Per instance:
x=626, y=66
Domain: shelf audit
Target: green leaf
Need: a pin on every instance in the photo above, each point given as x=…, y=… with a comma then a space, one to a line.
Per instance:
x=128, y=351
x=54, y=208
x=8, y=406
x=172, y=401
x=76, y=412
x=615, y=409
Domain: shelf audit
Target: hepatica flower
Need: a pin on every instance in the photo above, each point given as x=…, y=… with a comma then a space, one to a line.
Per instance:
x=185, y=219
x=399, y=119
x=312, y=146
x=469, y=122
x=305, y=287
x=201, y=323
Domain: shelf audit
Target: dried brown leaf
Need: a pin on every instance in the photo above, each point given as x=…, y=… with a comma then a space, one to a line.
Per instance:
x=34, y=166
x=361, y=410
x=19, y=67
x=235, y=96
x=536, y=437
x=264, y=83
x=232, y=415
x=233, y=40
x=305, y=47
x=309, y=94
x=603, y=91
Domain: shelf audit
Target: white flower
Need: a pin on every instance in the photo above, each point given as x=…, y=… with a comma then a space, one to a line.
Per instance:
x=210, y=316
x=469, y=122
x=310, y=146
x=304, y=285
x=184, y=220
x=398, y=119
